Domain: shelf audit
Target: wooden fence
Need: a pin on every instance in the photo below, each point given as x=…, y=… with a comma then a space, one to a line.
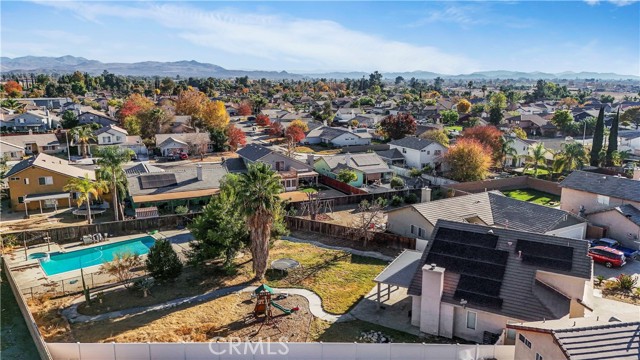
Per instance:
x=70, y=234
x=345, y=232
x=345, y=188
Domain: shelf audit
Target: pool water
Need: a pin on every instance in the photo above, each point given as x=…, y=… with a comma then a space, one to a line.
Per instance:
x=74, y=260
x=38, y=255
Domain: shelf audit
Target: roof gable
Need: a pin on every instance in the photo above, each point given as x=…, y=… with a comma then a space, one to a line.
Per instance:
x=618, y=187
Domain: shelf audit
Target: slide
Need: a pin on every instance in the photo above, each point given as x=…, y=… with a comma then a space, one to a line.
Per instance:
x=283, y=309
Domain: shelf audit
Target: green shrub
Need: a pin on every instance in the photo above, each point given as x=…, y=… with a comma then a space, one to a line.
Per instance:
x=411, y=198
x=397, y=182
x=626, y=282
x=181, y=210
x=163, y=262
x=396, y=200
x=599, y=280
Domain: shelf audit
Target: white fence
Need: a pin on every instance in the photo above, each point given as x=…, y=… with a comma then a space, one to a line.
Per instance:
x=280, y=351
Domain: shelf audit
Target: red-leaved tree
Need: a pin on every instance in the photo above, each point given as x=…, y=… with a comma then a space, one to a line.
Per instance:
x=134, y=105
x=294, y=135
x=469, y=160
x=244, y=109
x=13, y=89
x=488, y=136
x=275, y=129
x=398, y=126
x=263, y=120
x=235, y=137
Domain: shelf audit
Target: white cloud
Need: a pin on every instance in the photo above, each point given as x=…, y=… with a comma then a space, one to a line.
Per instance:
x=614, y=2
x=305, y=43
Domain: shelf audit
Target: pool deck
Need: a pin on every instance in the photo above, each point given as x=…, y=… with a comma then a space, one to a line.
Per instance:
x=28, y=272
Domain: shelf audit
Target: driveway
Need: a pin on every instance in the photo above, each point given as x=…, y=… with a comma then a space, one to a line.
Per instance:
x=631, y=268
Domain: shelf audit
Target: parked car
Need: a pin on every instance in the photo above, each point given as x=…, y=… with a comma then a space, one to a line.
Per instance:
x=615, y=244
x=607, y=256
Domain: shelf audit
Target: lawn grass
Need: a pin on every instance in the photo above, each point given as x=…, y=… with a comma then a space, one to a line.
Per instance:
x=540, y=172
x=534, y=196
x=309, y=190
x=454, y=128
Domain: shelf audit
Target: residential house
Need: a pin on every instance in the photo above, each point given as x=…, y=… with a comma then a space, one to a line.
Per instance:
x=582, y=115
x=47, y=143
x=48, y=103
x=419, y=153
x=95, y=117
x=423, y=128
x=192, y=143
x=488, y=208
x=292, y=172
x=473, y=280
x=612, y=336
x=344, y=115
x=392, y=157
x=630, y=141
x=34, y=121
x=181, y=124
x=38, y=182
x=608, y=201
x=115, y=135
x=11, y=152
x=166, y=188
x=532, y=124
x=522, y=150
x=338, y=137
x=369, y=167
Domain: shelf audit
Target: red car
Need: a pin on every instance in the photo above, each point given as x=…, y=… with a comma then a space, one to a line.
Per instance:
x=607, y=256
x=184, y=156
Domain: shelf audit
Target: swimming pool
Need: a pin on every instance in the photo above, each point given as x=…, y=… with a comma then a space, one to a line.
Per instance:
x=62, y=262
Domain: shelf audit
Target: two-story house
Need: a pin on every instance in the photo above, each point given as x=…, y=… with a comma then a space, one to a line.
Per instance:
x=195, y=143
x=522, y=151
x=419, y=153
x=369, y=167
x=630, y=141
x=31, y=144
x=96, y=117
x=473, y=280
x=35, y=121
x=38, y=182
x=338, y=137
x=115, y=135
x=291, y=171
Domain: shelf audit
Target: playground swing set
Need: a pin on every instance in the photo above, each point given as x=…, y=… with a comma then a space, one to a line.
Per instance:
x=265, y=303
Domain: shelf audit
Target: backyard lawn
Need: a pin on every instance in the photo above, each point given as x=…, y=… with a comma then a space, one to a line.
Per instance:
x=534, y=196
x=453, y=128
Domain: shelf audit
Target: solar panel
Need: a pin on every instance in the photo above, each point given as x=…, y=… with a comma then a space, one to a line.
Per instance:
x=468, y=238
x=547, y=255
x=153, y=181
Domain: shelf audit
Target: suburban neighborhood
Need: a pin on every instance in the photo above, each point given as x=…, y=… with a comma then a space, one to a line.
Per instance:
x=165, y=210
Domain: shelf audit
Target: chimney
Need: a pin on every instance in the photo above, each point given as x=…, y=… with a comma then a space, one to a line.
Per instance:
x=310, y=159
x=347, y=159
x=30, y=132
x=199, y=172
x=636, y=173
x=432, y=289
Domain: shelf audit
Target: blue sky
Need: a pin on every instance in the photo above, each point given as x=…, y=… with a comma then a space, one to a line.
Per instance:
x=442, y=36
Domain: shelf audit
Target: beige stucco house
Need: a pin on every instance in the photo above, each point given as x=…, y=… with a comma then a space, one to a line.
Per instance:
x=474, y=280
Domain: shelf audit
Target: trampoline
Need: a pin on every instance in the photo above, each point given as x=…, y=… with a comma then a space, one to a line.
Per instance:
x=95, y=212
x=284, y=264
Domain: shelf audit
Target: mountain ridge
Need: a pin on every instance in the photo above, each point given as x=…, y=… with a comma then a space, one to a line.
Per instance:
x=193, y=68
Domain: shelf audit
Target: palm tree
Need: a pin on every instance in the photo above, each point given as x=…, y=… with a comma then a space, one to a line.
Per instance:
x=574, y=155
x=111, y=160
x=259, y=202
x=86, y=188
x=13, y=104
x=507, y=150
x=536, y=159
x=83, y=134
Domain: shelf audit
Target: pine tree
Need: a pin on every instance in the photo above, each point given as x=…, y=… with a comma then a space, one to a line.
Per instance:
x=613, y=139
x=163, y=262
x=598, y=137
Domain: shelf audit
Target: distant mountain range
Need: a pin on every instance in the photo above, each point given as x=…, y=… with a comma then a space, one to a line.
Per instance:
x=68, y=64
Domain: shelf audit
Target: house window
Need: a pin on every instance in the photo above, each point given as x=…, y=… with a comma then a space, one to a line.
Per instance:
x=525, y=341
x=20, y=199
x=13, y=155
x=421, y=232
x=26, y=181
x=539, y=357
x=118, y=138
x=45, y=180
x=14, y=178
x=404, y=151
x=428, y=152
x=423, y=150
x=472, y=318
x=279, y=165
x=413, y=229
x=603, y=200
x=437, y=152
x=106, y=139
x=511, y=333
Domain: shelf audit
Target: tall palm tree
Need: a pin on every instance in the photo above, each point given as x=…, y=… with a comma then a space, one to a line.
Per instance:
x=536, y=159
x=259, y=202
x=83, y=135
x=111, y=160
x=574, y=155
x=86, y=188
x=507, y=150
x=13, y=104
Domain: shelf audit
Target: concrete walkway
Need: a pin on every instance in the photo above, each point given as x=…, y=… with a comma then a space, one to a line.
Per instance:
x=315, y=305
x=371, y=254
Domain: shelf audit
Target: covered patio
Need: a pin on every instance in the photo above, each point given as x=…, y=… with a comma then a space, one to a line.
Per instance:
x=50, y=200
x=397, y=275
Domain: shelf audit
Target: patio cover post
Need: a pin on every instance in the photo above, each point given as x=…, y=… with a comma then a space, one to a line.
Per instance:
x=26, y=209
x=40, y=202
x=378, y=296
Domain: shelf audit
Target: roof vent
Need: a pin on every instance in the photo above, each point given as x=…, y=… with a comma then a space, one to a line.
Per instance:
x=433, y=267
x=490, y=231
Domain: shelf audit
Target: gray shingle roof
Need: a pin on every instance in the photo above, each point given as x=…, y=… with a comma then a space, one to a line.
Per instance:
x=392, y=154
x=594, y=183
x=186, y=177
x=611, y=341
x=142, y=168
x=367, y=163
x=629, y=211
x=412, y=142
x=254, y=152
x=521, y=297
x=235, y=165
x=495, y=209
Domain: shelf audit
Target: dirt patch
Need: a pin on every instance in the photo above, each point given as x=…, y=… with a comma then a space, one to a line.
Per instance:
x=333, y=241
x=228, y=316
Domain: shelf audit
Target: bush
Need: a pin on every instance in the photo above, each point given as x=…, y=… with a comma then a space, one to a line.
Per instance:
x=411, y=198
x=626, y=282
x=163, y=262
x=396, y=200
x=181, y=210
x=122, y=267
x=599, y=280
x=397, y=182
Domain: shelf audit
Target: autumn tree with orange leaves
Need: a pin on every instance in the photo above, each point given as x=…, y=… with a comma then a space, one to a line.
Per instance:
x=244, y=109
x=489, y=136
x=263, y=120
x=235, y=137
x=469, y=160
x=13, y=89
